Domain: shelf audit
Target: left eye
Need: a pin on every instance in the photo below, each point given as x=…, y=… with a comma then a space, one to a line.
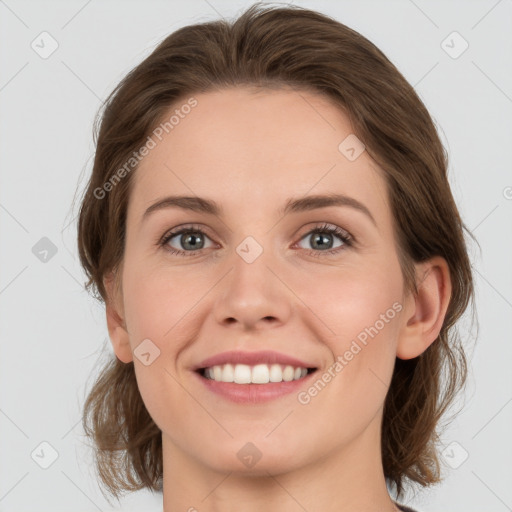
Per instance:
x=322, y=238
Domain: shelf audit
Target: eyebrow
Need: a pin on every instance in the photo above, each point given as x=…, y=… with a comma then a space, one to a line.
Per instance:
x=292, y=205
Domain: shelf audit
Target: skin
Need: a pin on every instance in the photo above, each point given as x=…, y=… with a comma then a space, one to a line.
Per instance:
x=250, y=150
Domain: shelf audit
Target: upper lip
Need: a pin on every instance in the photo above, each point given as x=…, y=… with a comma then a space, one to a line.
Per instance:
x=252, y=358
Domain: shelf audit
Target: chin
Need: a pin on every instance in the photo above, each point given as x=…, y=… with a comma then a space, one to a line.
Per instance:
x=256, y=458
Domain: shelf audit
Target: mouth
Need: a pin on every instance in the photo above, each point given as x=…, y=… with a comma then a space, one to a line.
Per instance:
x=261, y=374
x=254, y=384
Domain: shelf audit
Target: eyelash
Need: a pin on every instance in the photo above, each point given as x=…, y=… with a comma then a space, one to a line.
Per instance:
x=347, y=239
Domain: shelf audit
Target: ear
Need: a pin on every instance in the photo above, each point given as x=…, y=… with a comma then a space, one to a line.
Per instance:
x=115, y=320
x=426, y=311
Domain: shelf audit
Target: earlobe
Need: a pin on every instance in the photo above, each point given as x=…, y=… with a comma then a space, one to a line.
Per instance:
x=427, y=309
x=115, y=322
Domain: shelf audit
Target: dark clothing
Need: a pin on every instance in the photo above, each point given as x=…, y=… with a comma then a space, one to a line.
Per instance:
x=404, y=508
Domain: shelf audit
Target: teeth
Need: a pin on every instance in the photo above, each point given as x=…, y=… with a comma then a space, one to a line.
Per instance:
x=242, y=374
x=258, y=374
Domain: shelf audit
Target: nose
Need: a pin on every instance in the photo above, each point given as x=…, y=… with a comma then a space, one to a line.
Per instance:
x=253, y=295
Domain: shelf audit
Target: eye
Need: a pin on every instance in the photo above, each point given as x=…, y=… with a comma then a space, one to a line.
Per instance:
x=321, y=240
x=188, y=238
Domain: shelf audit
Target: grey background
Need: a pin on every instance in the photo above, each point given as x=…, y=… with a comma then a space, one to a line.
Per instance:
x=53, y=333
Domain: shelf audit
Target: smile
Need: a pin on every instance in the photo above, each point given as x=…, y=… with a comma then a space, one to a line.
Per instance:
x=246, y=384
x=257, y=374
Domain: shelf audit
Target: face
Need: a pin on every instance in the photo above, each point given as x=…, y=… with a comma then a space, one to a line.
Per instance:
x=252, y=278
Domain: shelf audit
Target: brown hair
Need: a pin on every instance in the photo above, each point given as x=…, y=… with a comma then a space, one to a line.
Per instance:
x=274, y=47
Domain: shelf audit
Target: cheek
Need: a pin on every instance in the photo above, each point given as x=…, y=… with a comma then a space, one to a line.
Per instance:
x=357, y=313
x=348, y=300
x=158, y=300
x=158, y=307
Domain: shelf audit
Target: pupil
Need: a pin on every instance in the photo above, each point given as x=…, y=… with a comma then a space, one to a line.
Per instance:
x=192, y=240
x=323, y=237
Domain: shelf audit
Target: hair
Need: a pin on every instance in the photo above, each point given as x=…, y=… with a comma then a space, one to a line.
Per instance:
x=272, y=47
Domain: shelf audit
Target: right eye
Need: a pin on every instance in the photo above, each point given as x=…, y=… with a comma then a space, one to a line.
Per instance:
x=188, y=238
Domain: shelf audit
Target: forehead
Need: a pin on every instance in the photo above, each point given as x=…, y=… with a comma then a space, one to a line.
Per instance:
x=250, y=148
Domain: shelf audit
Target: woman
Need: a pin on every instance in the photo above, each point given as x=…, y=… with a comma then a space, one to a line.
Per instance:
x=271, y=228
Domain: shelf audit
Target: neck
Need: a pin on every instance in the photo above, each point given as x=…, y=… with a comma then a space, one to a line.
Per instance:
x=346, y=479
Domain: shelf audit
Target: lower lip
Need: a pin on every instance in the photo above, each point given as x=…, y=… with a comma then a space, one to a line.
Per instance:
x=254, y=393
